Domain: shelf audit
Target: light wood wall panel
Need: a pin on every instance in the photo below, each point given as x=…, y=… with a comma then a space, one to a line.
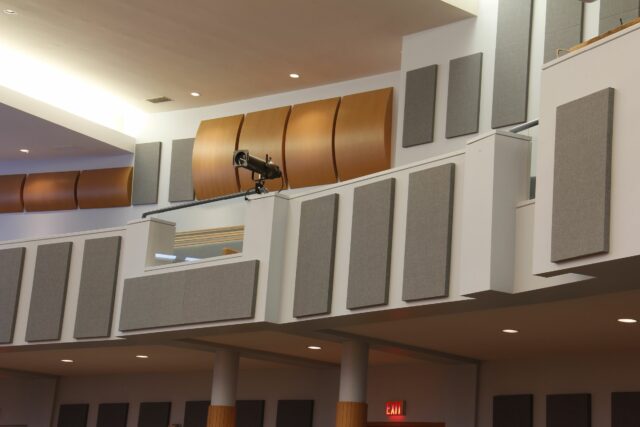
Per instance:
x=11, y=193
x=351, y=414
x=222, y=416
x=309, y=144
x=363, y=134
x=105, y=188
x=213, y=171
x=263, y=133
x=52, y=191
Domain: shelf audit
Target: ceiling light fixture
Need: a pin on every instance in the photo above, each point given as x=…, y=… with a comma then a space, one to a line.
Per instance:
x=510, y=331
x=627, y=320
x=10, y=12
x=294, y=75
x=142, y=356
x=314, y=347
x=24, y=150
x=67, y=360
x=196, y=94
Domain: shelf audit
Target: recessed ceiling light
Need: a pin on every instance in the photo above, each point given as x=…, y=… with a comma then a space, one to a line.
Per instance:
x=67, y=360
x=627, y=320
x=24, y=150
x=142, y=356
x=294, y=75
x=314, y=347
x=196, y=94
x=510, y=331
x=10, y=12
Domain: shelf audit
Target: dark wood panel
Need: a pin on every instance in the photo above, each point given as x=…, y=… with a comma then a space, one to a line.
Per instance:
x=154, y=414
x=513, y=411
x=113, y=415
x=196, y=413
x=294, y=413
x=249, y=413
x=569, y=410
x=73, y=415
x=625, y=409
x=52, y=191
x=105, y=188
x=11, y=193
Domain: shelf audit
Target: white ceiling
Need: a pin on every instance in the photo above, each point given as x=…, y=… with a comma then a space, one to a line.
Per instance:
x=224, y=49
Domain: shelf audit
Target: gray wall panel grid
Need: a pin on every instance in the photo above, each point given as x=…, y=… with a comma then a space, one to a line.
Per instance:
x=564, y=410
x=511, y=75
x=316, y=253
x=97, y=287
x=209, y=294
x=49, y=292
x=419, y=106
x=11, y=264
x=371, y=236
x=181, y=181
x=146, y=173
x=463, y=103
x=563, y=27
x=582, y=177
x=612, y=11
x=427, y=256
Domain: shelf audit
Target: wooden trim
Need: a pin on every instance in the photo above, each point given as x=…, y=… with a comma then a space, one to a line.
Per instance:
x=11, y=187
x=51, y=191
x=221, y=416
x=209, y=236
x=105, y=188
x=604, y=35
x=351, y=414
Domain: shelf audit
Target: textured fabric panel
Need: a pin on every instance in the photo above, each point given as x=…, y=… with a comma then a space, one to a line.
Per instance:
x=563, y=27
x=113, y=415
x=49, y=292
x=294, y=413
x=582, y=177
x=565, y=410
x=196, y=413
x=73, y=415
x=154, y=414
x=316, y=252
x=146, y=173
x=511, y=75
x=97, y=287
x=181, y=180
x=463, y=102
x=625, y=409
x=249, y=413
x=371, y=235
x=11, y=264
x=419, y=106
x=513, y=411
x=613, y=11
x=427, y=255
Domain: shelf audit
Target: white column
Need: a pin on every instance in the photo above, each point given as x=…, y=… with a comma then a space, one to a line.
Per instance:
x=225, y=378
x=353, y=372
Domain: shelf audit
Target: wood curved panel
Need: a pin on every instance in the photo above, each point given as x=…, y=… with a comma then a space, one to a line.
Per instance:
x=11, y=193
x=363, y=134
x=52, y=191
x=213, y=171
x=104, y=188
x=351, y=414
x=263, y=133
x=221, y=416
x=309, y=144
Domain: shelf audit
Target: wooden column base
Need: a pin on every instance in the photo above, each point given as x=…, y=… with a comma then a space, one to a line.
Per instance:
x=351, y=414
x=221, y=416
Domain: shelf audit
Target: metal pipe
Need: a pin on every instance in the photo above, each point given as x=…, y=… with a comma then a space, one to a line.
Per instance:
x=200, y=202
x=525, y=126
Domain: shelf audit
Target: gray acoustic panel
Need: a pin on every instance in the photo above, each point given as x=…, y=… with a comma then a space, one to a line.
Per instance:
x=563, y=27
x=316, y=252
x=614, y=11
x=201, y=295
x=154, y=414
x=97, y=287
x=419, y=106
x=569, y=410
x=463, y=101
x=513, y=411
x=249, y=413
x=625, y=409
x=294, y=413
x=371, y=235
x=196, y=413
x=113, y=415
x=49, y=292
x=511, y=75
x=73, y=415
x=11, y=263
x=427, y=256
x=582, y=177
x=146, y=174
x=181, y=182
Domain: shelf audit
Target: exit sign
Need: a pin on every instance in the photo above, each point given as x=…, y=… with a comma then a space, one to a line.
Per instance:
x=396, y=407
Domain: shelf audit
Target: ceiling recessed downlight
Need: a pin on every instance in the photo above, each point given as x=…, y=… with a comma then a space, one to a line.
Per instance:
x=142, y=356
x=510, y=331
x=314, y=347
x=24, y=150
x=196, y=94
x=294, y=75
x=627, y=320
x=67, y=360
x=9, y=12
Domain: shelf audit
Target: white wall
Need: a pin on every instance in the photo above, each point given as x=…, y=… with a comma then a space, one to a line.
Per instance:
x=27, y=401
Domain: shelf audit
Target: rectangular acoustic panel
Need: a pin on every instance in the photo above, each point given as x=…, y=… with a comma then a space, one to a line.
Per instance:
x=513, y=411
x=371, y=235
x=181, y=180
x=316, y=253
x=294, y=413
x=49, y=292
x=196, y=413
x=249, y=413
x=563, y=28
x=419, y=106
x=73, y=415
x=146, y=173
x=614, y=11
x=511, y=75
x=210, y=294
x=625, y=409
x=463, y=102
x=582, y=177
x=154, y=414
x=97, y=287
x=569, y=410
x=113, y=415
x=427, y=257
x=11, y=263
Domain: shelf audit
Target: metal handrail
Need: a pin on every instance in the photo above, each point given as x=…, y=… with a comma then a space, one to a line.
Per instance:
x=525, y=126
x=200, y=202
